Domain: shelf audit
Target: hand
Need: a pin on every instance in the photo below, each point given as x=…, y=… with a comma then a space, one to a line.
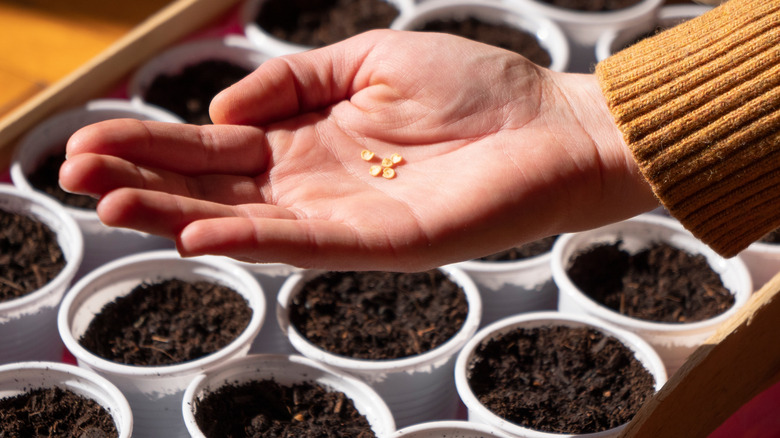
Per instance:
x=497, y=151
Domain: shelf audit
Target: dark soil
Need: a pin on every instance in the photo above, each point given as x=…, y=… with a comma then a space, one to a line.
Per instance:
x=560, y=379
x=379, y=315
x=168, y=322
x=500, y=35
x=45, y=178
x=266, y=408
x=54, y=412
x=592, y=5
x=661, y=283
x=189, y=93
x=772, y=237
x=526, y=251
x=30, y=256
x=318, y=23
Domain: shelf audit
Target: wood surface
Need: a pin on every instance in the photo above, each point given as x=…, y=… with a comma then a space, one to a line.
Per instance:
x=736, y=364
x=94, y=77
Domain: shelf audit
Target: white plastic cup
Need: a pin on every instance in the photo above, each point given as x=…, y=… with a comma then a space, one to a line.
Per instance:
x=479, y=413
x=271, y=340
x=287, y=370
x=673, y=341
x=548, y=34
x=449, y=429
x=614, y=40
x=763, y=261
x=154, y=392
x=19, y=378
x=28, y=324
x=583, y=29
x=509, y=288
x=417, y=388
x=235, y=49
x=274, y=46
x=102, y=243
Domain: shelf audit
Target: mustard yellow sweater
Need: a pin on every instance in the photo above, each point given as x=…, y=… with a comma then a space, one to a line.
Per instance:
x=699, y=107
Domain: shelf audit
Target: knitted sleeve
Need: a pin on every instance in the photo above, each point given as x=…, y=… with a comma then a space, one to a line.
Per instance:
x=699, y=108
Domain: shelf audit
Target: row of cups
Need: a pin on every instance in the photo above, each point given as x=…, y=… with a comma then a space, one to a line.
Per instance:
x=574, y=38
x=415, y=390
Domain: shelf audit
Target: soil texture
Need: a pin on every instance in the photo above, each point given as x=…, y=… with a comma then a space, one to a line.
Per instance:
x=379, y=315
x=661, y=283
x=525, y=251
x=168, y=322
x=318, y=23
x=265, y=408
x=30, y=256
x=188, y=94
x=500, y=35
x=559, y=379
x=54, y=412
x=46, y=177
x=592, y=5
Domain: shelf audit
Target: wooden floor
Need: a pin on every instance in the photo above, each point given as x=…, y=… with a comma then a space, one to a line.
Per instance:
x=41, y=41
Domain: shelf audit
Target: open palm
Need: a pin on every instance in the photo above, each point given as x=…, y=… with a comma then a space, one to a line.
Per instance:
x=496, y=151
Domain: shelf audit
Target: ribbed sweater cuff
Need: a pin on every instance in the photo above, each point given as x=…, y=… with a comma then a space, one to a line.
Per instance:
x=699, y=107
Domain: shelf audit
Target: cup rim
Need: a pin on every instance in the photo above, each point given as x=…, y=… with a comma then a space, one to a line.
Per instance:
x=72, y=262
x=572, y=16
x=279, y=47
x=350, y=385
x=447, y=427
x=605, y=44
x=120, y=410
x=231, y=48
x=644, y=352
x=441, y=352
x=549, y=34
x=741, y=293
x=102, y=109
x=251, y=291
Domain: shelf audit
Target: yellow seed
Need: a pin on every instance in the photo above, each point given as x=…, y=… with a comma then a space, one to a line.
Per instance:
x=388, y=173
x=366, y=155
x=386, y=162
x=396, y=158
x=375, y=170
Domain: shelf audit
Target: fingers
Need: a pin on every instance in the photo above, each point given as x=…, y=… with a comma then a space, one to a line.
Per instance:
x=166, y=215
x=186, y=149
x=286, y=86
x=95, y=174
x=302, y=242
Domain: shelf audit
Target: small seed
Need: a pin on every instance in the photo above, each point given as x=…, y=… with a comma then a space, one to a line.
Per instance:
x=388, y=173
x=375, y=170
x=396, y=158
x=366, y=155
x=386, y=162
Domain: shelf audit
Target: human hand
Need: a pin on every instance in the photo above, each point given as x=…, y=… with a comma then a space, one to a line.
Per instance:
x=497, y=151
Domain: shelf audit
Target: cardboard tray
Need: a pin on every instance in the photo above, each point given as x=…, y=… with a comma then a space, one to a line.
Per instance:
x=101, y=74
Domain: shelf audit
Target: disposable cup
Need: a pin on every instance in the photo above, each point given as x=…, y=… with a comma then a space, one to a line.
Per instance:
x=449, y=429
x=287, y=370
x=28, y=324
x=417, y=388
x=154, y=392
x=102, y=243
x=548, y=34
x=479, y=413
x=20, y=377
x=673, y=341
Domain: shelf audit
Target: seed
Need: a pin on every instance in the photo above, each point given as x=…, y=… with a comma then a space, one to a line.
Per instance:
x=366, y=155
x=388, y=173
x=386, y=162
x=396, y=158
x=375, y=170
